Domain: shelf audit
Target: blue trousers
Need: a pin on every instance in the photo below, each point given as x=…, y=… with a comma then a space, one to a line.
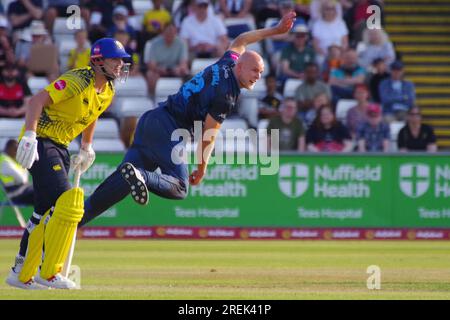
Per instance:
x=152, y=148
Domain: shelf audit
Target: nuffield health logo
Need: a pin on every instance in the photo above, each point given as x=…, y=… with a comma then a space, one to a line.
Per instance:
x=293, y=179
x=414, y=179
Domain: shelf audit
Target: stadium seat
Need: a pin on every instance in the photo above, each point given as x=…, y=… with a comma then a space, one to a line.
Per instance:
x=106, y=129
x=108, y=145
x=233, y=124
x=136, y=21
x=166, y=87
x=10, y=128
x=256, y=46
x=60, y=27
x=74, y=146
x=175, y=5
x=134, y=107
x=290, y=87
x=140, y=7
x=236, y=26
x=342, y=107
x=269, y=42
x=36, y=84
x=200, y=64
x=395, y=128
x=133, y=87
x=263, y=123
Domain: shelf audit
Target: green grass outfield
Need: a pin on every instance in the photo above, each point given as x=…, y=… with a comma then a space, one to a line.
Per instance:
x=157, y=269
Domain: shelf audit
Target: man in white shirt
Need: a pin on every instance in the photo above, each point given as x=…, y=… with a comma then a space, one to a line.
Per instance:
x=15, y=178
x=205, y=33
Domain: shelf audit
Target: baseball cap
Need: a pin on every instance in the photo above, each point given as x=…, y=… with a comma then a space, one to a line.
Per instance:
x=121, y=10
x=373, y=109
x=397, y=65
x=37, y=28
x=300, y=28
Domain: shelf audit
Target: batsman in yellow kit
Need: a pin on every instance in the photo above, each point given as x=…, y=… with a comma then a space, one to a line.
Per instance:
x=55, y=116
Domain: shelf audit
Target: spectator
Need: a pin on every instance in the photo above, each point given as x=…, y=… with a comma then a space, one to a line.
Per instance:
x=357, y=115
x=333, y=60
x=79, y=57
x=165, y=56
x=327, y=134
x=397, y=95
x=155, y=20
x=186, y=8
x=15, y=178
x=14, y=93
x=270, y=103
x=102, y=12
x=416, y=136
x=380, y=73
x=6, y=48
x=316, y=10
x=357, y=16
x=302, y=9
x=295, y=56
x=279, y=42
x=235, y=8
x=376, y=44
x=40, y=56
x=374, y=134
x=22, y=12
x=57, y=8
x=344, y=79
x=265, y=9
x=310, y=88
x=292, y=132
x=205, y=33
x=124, y=38
x=320, y=100
x=120, y=23
x=329, y=30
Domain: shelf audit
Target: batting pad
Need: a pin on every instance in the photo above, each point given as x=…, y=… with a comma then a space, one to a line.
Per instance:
x=33, y=257
x=59, y=232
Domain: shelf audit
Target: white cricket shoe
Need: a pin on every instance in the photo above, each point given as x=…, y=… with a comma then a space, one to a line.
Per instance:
x=133, y=176
x=13, y=281
x=58, y=281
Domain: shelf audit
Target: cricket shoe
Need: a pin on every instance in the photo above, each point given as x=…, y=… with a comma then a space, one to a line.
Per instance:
x=13, y=281
x=133, y=176
x=58, y=281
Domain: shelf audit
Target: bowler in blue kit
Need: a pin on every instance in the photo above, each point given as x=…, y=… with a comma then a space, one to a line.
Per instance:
x=209, y=97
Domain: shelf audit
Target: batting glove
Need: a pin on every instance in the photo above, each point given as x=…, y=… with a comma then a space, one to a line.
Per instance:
x=27, y=150
x=84, y=159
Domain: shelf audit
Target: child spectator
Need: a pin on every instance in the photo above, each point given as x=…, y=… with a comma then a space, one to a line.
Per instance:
x=79, y=57
x=270, y=103
x=357, y=115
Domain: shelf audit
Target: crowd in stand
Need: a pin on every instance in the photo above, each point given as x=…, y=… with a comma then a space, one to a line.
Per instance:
x=330, y=49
